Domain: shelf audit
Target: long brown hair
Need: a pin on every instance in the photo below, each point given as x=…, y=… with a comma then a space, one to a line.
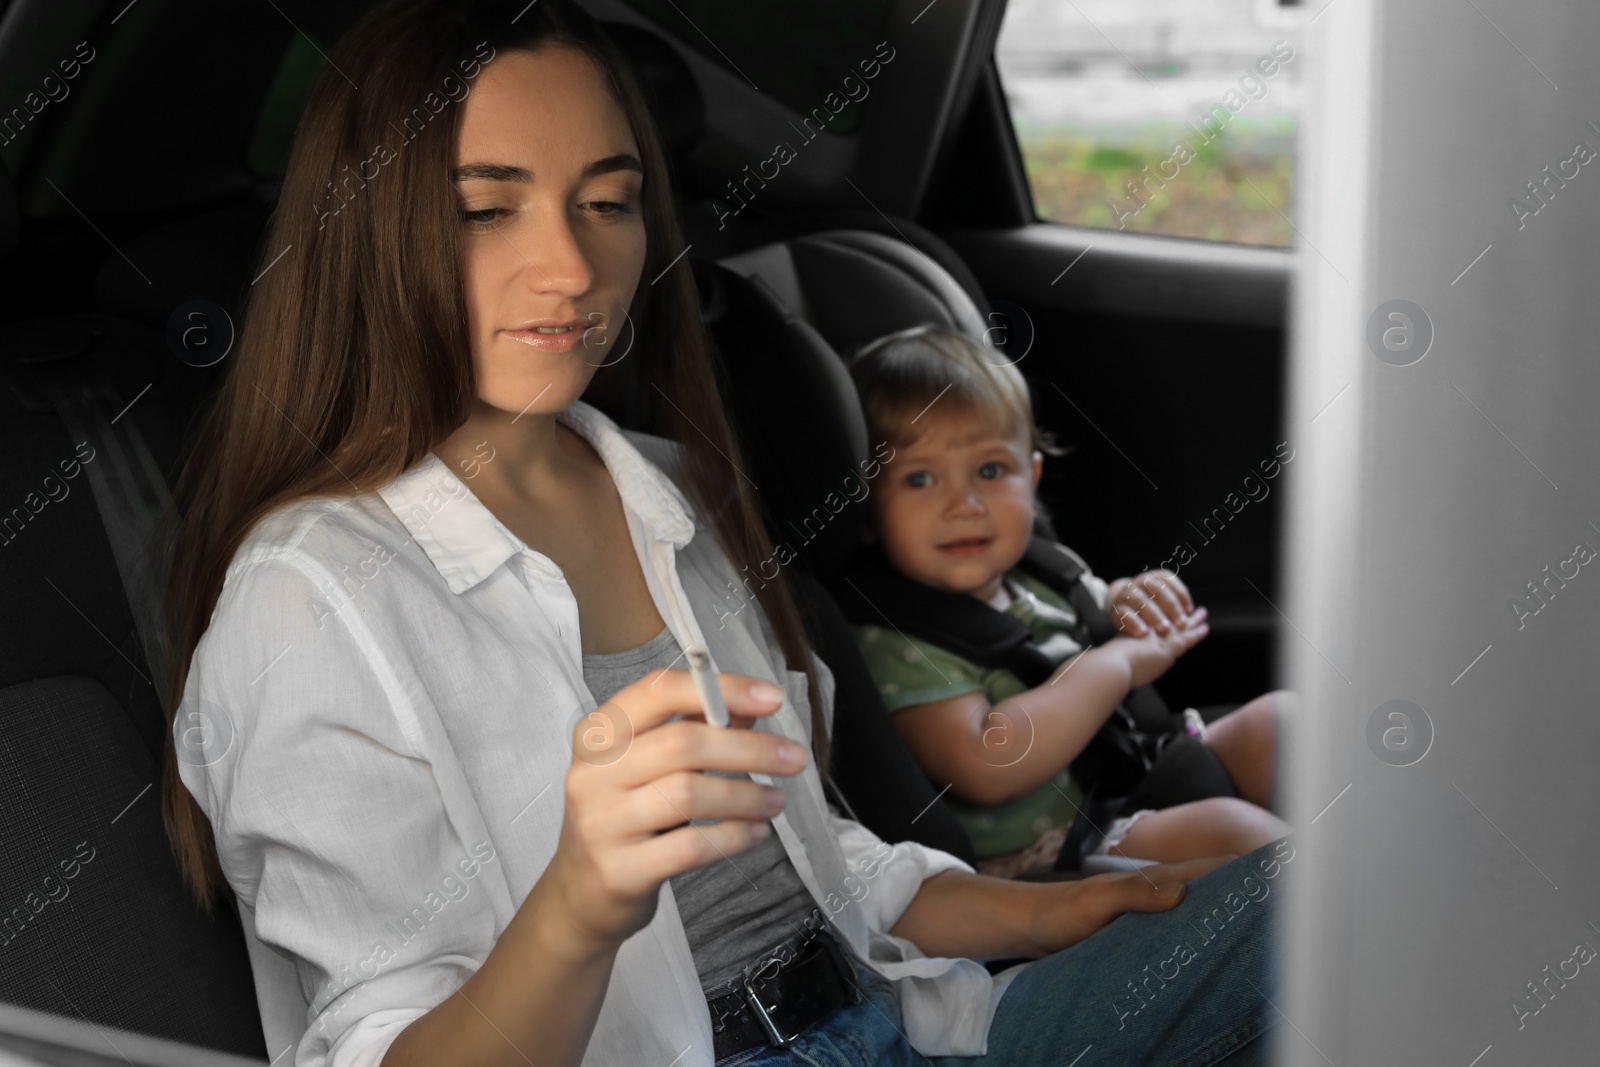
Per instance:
x=354, y=359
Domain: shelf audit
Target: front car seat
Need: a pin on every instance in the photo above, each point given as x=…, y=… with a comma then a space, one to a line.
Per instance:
x=95, y=925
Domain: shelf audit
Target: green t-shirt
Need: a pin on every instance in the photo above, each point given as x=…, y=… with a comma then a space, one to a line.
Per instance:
x=910, y=671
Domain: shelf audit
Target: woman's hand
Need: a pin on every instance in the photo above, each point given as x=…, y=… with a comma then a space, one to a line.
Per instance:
x=1155, y=600
x=1071, y=911
x=1150, y=656
x=959, y=914
x=635, y=783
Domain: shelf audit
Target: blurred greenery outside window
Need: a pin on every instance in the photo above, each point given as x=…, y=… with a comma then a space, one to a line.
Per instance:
x=1170, y=157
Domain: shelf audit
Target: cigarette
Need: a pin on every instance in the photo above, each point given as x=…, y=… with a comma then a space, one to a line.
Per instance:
x=710, y=692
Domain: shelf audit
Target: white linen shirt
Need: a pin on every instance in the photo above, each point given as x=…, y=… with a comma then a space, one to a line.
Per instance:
x=378, y=724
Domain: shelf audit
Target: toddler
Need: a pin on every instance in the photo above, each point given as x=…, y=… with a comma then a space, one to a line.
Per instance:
x=954, y=511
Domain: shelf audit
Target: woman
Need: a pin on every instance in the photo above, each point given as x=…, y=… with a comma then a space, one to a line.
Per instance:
x=408, y=557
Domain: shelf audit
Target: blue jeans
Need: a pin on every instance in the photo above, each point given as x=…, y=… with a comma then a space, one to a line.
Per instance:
x=1186, y=987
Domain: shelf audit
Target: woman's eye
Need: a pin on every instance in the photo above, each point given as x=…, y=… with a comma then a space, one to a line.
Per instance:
x=484, y=218
x=608, y=208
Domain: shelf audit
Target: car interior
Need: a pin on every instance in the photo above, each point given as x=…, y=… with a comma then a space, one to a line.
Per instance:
x=144, y=196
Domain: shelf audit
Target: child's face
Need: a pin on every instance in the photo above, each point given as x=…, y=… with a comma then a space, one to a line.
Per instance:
x=956, y=511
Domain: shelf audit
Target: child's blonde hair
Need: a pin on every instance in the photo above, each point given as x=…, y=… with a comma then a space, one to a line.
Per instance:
x=900, y=376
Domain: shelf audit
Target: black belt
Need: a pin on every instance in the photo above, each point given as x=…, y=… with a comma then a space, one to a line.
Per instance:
x=783, y=994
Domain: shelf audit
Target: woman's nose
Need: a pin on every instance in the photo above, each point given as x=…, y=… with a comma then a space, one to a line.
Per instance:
x=558, y=262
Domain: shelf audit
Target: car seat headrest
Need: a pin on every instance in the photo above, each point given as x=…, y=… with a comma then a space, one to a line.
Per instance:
x=787, y=317
x=799, y=421
x=210, y=256
x=854, y=286
x=669, y=86
x=213, y=255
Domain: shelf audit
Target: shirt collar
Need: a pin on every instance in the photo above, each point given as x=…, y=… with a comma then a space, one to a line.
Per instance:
x=466, y=543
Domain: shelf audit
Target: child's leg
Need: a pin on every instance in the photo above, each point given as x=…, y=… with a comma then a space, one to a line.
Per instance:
x=1246, y=740
x=1211, y=827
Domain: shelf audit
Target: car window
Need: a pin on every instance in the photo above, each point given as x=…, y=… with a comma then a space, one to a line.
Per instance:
x=1173, y=117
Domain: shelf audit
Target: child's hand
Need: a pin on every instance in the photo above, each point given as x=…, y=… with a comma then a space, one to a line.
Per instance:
x=1150, y=656
x=1155, y=600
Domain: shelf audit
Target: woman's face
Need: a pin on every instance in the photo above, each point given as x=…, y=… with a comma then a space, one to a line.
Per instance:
x=552, y=233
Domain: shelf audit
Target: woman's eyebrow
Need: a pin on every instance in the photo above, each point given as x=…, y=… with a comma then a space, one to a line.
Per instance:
x=501, y=172
x=620, y=161
x=491, y=172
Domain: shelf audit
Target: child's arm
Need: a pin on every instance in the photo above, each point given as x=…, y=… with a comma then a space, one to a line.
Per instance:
x=1001, y=753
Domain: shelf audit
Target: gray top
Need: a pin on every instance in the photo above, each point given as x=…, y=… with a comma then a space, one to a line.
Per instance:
x=733, y=909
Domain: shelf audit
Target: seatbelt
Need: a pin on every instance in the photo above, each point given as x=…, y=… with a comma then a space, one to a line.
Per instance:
x=872, y=591
x=1115, y=768
x=129, y=492
x=1062, y=569
x=45, y=369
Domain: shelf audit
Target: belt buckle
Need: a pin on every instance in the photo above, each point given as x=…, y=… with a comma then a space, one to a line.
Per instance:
x=841, y=967
x=774, y=1035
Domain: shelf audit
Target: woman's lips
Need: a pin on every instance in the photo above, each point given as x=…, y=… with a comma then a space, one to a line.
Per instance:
x=565, y=341
x=966, y=546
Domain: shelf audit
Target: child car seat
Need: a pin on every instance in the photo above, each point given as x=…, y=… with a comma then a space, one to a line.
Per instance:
x=780, y=315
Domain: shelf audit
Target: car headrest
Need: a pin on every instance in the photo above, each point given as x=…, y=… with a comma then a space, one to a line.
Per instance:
x=799, y=421
x=853, y=286
x=669, y=86
x=787, y=317
x=209, y=256
x=10, y=213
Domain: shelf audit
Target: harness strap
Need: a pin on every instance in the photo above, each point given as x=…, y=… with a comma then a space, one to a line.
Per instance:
x=873, y=591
